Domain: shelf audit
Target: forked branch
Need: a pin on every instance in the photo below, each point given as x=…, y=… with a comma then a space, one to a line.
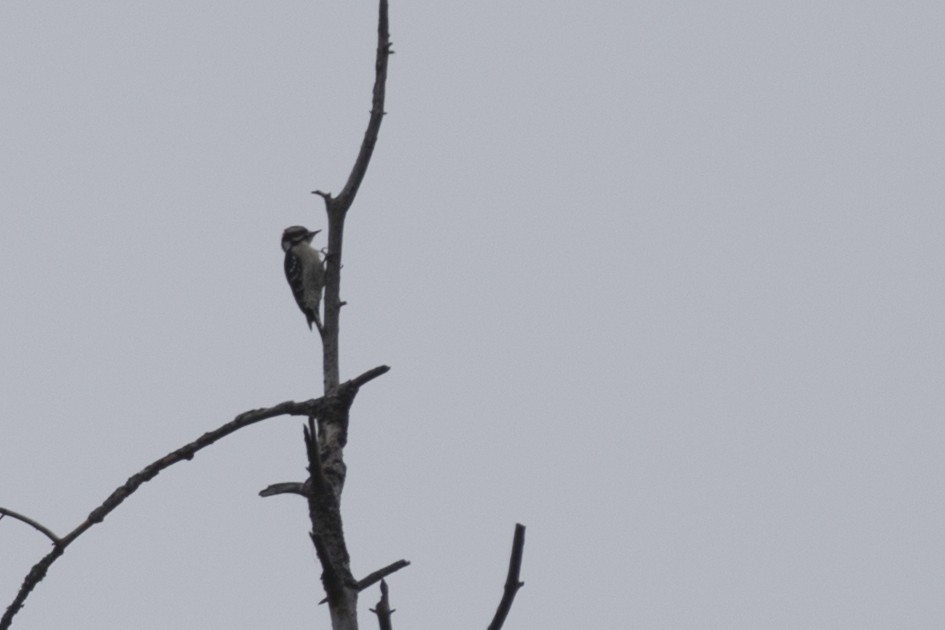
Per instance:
x=372, y=578
x=309, y=408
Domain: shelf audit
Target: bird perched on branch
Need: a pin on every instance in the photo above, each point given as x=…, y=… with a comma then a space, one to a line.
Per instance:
x=304, y=271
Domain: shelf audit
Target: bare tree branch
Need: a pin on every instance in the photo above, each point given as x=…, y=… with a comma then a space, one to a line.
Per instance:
x=34, y=524
x=337, y=207
x=325, y=446
x=383, y=609
x=367, y=377
x=346, y=392
x=512, y=583
x=326, y=458
x=347, y=194
x=285, y=487
x=380, y=574
x=297, y=487
x=34, y=577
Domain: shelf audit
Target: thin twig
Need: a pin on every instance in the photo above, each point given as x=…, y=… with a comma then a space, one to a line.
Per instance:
x=34, y=524
x=512, y=583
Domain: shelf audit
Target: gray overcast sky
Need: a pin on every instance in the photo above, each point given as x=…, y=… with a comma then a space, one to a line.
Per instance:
x=661, y=280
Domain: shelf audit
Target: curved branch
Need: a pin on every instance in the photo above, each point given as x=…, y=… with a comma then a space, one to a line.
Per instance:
x=186, y=452
x=363, y=379
x=34, y=524
x=308, y=408
x=346, y=196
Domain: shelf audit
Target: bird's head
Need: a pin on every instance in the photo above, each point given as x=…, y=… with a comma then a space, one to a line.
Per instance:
x=296, y=234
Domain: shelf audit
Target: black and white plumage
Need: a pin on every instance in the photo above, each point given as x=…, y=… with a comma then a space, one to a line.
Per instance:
x=304, y=271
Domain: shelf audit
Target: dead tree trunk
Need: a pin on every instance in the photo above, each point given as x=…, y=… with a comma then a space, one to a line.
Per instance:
x=325, y=435
x=326, y=450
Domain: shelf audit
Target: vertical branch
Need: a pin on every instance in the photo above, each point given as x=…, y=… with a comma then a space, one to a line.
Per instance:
x=337, y=207
x=383, y=609
x=328, y=540
x=331, y=371
x=332, y=434
x=512, y=582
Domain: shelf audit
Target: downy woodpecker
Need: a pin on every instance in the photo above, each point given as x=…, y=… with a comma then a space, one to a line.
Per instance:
x=304, y=271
